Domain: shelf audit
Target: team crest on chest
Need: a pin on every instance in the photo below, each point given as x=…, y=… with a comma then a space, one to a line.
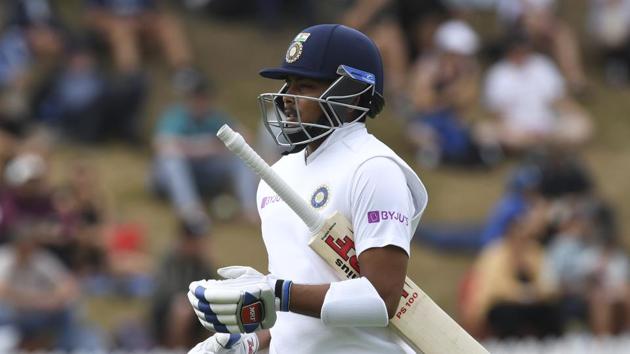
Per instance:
x=320, y=197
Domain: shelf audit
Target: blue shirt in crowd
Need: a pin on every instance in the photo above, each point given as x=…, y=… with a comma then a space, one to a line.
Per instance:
x=177, y=121
x=124, y=7
x=15, y=56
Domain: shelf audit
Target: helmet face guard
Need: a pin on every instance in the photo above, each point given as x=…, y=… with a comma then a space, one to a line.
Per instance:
x=343, y=102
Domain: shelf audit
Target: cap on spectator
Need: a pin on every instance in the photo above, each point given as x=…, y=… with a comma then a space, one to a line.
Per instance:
x=24, y=168
x=456, y=36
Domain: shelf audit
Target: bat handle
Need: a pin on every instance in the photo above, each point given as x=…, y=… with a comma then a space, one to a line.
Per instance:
x=235, y=143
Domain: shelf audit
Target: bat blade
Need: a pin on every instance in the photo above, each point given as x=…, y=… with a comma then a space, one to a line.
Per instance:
x=419, y=321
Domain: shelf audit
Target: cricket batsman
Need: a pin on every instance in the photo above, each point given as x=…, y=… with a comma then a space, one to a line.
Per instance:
x=333, y=81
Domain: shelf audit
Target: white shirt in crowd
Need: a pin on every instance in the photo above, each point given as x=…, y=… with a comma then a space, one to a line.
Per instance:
x=509, y=11
x=355, y=174
x=40, y=274
x=523, y=95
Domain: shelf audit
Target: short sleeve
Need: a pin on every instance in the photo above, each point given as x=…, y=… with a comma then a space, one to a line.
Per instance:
x=382, y=206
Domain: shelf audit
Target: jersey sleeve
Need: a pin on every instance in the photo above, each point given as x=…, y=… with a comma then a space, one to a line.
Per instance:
x=381, y=205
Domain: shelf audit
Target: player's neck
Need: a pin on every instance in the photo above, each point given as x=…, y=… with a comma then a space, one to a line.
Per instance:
x=310, y=148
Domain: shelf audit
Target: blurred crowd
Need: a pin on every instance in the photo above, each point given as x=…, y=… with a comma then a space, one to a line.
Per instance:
x=549, y=255
x=550, y=258
x=59, y=243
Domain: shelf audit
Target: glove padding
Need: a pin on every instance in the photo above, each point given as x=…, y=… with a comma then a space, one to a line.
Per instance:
x=223, y=343
x=243, y=303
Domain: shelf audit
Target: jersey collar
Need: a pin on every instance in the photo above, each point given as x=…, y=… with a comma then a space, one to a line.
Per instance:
x=337, y=135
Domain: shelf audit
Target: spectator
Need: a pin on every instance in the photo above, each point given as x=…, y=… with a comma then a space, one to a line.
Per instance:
x=41, y=25
x=609, y=296
x=402, y=29
x=564, y=255
x=127, y=24
x=63, y=243
x=564, y=175
x=191, y=162
x=609, y=25
x=522, y=191
x=74, y=100
x=175, y=324
x=79, y=101
x=15, y=79
x=443, y=87
x=33, y=33
x=84, y=181
x=592, y=270
x=37, y=293
x=554, y=176
x=511, y=296
x=128, y=263
x=79, y=242
x=549, y=33
x=526, y=94
x=79, y=238
x=27, y=194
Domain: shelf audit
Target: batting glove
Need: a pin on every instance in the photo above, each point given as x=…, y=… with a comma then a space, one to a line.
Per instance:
x=223, y=343
x=243, y=303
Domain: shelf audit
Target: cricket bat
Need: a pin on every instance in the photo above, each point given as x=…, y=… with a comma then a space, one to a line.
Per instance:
x=419, y=321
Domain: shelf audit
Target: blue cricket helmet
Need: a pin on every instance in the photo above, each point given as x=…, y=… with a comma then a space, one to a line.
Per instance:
x=344, y=56
x=317, y=52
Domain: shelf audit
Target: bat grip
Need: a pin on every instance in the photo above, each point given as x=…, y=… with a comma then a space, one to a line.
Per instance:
x=235, y=143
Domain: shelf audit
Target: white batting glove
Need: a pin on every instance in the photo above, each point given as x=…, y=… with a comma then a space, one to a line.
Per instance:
x=223, y=343
x=242, y=272
x=243, y=303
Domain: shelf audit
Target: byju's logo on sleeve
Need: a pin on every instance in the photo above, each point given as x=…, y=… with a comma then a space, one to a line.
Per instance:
x=376, y=216
x=373, y=217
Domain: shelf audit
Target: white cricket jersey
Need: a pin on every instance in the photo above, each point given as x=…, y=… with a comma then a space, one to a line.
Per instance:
x=355, y=174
